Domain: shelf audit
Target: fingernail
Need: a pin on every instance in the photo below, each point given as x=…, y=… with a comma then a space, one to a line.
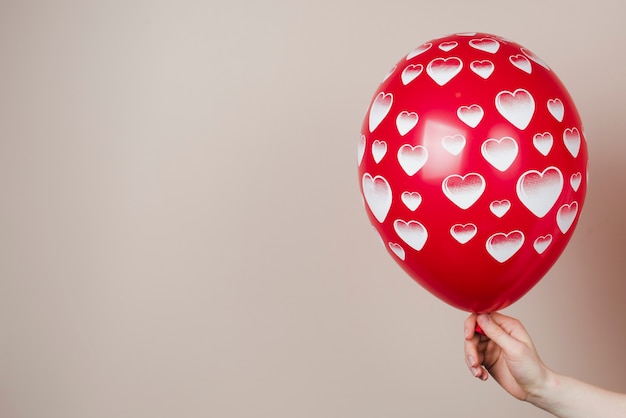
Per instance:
x=470, y=361
x=475, y=371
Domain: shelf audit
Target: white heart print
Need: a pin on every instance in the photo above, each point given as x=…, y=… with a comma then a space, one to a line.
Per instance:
x=419, y=50
x=539, y=191
x=485, y=44
x=503, y=246
x=566, y=215
x=463, y=191
x=442, y=70
x=377, y=193
x=405, y=121
x=571, y=138
x=517, y=107
x=556, y=109
x=397, y=250
x=470, y=115
x=541, y=244
x=379, y=149
x=500, y=153
x=521, y=62
x=483, y=69
x=411, y=200
x=500, y=207
x=543, y=142
x=448, y=46
x=411, y=72
x=379, y=109
x=535, y=58
x=413, y=233
x=463, y=233
x=412, y=158
x=361, y=149
x=575, y=180
x=454, y=144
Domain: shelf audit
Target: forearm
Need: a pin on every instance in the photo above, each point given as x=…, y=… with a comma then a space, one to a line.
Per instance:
x=566, y=397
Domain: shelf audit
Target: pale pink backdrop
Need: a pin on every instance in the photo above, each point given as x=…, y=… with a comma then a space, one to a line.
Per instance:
x=181, y=233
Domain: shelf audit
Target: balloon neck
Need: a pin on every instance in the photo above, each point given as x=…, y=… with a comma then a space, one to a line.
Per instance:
x=479, y=330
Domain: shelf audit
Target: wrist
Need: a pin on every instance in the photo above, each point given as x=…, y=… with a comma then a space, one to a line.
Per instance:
x=546, y=394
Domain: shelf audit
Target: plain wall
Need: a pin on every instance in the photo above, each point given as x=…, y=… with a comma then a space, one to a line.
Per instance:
x=181, y=231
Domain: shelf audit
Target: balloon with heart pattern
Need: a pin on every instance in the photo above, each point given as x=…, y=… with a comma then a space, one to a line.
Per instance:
x=472, y=163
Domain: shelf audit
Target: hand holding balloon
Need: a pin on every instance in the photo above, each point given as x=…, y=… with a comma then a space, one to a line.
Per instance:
x=507, y=353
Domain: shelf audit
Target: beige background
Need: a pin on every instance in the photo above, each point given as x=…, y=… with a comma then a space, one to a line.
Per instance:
x=181, y=233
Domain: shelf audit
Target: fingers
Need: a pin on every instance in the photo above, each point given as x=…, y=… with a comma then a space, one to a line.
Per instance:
x=473, y=357
x=493, y=330
x=505, y=331
x=502, y=334
x=470, y=326
x=512, y=326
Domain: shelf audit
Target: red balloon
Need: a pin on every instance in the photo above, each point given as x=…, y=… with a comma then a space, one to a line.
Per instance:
x=473, y=167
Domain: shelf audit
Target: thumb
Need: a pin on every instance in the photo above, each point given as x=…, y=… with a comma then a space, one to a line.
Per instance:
x=495, y=332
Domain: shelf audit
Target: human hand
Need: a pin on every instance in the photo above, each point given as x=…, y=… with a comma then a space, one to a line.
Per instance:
x=507, y=352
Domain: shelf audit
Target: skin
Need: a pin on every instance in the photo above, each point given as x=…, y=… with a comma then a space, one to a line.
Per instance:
x=507, y=353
